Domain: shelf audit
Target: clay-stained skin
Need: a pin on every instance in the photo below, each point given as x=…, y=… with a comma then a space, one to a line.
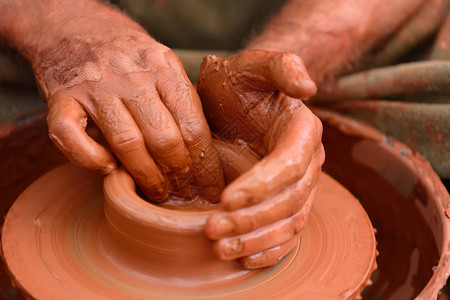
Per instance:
x=331, y=36
x=248, y=99
x=413, y=33
x=441, y=48
x=135, y=89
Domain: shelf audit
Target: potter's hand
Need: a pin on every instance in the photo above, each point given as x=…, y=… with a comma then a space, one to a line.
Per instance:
x=254, y=97
x=138, y=94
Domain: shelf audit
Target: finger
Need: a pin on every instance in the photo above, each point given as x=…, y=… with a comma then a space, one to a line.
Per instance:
x=269, y=71
x=284, y=165
x=283, y=205
x=268, y=257
x=289, y=74
x=182, y=101
x=127, y=142
x=67, y=122
x=162, y=136
x=264, y=238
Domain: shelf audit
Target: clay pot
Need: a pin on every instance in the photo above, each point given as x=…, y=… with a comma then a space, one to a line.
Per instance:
x=403, y=196
x=169, y=240
x=62, y=239
x=405, y=200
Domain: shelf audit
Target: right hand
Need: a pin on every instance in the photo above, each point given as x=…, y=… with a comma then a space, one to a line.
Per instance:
x=139, y=96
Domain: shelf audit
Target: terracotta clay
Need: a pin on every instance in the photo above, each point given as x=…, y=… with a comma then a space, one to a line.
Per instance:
x=383, y=199
x=59, y=241
x=106, y=66
x=407, y=207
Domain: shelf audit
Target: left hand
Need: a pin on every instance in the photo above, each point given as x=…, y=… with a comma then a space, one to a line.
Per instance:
x=255, y=97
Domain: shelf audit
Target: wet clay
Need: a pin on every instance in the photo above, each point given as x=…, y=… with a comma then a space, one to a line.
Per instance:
x=341, y=135
x=406, y=202
x=235, y=160
x=61, y=239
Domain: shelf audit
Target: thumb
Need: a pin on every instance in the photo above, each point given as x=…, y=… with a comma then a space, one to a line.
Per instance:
x=67, y=122
x=290, y=76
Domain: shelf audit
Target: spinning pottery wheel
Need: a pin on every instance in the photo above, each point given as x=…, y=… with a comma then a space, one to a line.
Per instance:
x=64, y=238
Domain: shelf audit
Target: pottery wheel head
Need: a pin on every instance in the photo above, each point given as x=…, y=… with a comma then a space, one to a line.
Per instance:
x=57, y=244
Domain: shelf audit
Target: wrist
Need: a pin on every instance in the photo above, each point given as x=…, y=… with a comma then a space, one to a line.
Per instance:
x=331, y=36
x=60, y=24
x=72, y=42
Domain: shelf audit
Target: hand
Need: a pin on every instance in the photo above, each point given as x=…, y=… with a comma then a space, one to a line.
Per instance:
x=254, y=97
x=138, y=94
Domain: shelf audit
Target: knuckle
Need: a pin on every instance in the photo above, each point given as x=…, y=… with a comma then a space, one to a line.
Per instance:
x=169, y=142
x=55, y=137
x=155, y=187
x=170, y=54
x=57, y=128
x=321, y=154
x=195, y=133
x=318, y=124
x=127, y=141
x=54, y=132
x=298, y=223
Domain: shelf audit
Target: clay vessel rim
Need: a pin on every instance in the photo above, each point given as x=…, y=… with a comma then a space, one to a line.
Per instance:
x=120, y=194
x=425, y=173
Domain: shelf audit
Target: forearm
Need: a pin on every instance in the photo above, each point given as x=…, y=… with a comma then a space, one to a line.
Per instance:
x=331, y=35
x=61, y=39
x=31, y=27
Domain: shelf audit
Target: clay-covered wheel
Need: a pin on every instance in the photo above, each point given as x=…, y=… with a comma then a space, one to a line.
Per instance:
x=54, y=246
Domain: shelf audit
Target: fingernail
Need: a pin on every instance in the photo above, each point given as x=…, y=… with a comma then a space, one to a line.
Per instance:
x=310, y=88
x=161, y=196
x=224, y=227
x=234, y=200
x=109, y=169
x=233, y=247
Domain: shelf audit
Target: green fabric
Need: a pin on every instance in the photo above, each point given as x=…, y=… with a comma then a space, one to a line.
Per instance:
x=202, y=24
x=423, y=127
x=422, y=118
